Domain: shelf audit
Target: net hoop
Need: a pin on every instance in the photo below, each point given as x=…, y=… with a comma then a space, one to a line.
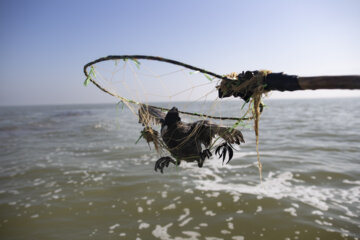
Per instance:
x=160, y=59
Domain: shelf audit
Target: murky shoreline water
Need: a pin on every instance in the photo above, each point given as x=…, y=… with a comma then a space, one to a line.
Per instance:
x=74, y=172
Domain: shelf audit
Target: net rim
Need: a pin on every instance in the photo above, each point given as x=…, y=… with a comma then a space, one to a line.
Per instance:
x=160, y=59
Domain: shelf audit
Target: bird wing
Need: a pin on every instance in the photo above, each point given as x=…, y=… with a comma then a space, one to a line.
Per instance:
x=208, y=130
x=149, y=114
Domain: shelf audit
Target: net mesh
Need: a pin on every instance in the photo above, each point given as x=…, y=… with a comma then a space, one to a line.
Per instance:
x=165, y=85
x=143, y=82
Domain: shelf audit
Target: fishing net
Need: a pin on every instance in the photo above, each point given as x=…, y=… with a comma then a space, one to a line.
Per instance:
x=144, y=83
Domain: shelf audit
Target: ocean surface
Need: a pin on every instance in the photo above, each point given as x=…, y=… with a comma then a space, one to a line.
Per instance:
x=75, y=172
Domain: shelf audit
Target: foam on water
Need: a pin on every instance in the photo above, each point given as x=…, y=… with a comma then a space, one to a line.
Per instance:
x=276, y=185
x=291, y=210
x=144, y=225
x=171, y=206
x=183, y=216
x=162, y=233
x=186, y=221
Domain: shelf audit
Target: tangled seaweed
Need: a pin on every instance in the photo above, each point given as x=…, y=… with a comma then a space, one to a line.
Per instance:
x=250, y=87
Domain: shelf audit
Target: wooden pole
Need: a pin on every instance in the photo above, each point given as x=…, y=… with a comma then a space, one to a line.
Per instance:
x=283, y=82
x=330, y=82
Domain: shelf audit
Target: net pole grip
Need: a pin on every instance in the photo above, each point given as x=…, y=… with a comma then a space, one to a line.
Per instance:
x=283, y=82
x=330, y=82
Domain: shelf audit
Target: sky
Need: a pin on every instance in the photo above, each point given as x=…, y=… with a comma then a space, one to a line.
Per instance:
x=45, y=44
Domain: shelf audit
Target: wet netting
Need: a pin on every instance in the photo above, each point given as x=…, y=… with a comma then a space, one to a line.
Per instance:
x=145, y=84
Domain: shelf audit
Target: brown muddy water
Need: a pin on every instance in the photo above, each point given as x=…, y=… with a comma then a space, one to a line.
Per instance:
x=75, y=172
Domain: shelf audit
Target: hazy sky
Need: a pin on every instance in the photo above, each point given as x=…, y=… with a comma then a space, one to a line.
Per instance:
x=44, y=44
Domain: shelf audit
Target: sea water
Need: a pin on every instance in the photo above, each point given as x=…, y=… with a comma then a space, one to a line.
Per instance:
x=75, y=172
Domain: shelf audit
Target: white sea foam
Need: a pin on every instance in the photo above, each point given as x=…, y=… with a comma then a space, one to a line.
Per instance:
x=213, y=194
x=236, y=198
x=238, y=238
x=259, y=209
x=224, y=231
x=150, y=201
x=114, y=226
x=144, y=225
x=189, y=190
x=210, y=213
x=176, y=198
x=351, y=182
x=183, y=216
x=323, y=223
x=291, y=210
x=161, y=232
x=278, y=186
x=171, y=206
x=317, y=212
x=193, y=235
x=140, y=209
x=295, y=205
x=186, y=221
x=58, y=190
